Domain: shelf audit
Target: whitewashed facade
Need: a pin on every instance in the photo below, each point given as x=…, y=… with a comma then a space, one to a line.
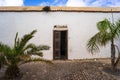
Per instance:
x=80, y=22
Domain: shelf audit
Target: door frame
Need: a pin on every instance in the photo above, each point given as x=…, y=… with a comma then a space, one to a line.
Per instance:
x=60, y=28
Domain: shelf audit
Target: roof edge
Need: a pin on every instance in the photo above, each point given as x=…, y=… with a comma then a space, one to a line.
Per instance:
x=67, y=9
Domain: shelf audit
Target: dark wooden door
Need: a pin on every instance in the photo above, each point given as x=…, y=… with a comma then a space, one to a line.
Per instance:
x=57, y=45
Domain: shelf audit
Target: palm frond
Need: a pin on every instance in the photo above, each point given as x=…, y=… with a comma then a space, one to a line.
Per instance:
x=6, y=50
x=6, y=53
x=92, y=44
x=103, y=25
x=107, y=32
x=2, y=59
x=106, y=26
x=15, y=41
x=99, y=39
x=43, y=47
x=36, y=50
x=104, y=38
x=15, y=55
x=22, y=43
x=117, y=30
x=39, y=59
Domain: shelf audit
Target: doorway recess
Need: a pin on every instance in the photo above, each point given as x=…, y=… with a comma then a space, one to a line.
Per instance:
x=60, y=43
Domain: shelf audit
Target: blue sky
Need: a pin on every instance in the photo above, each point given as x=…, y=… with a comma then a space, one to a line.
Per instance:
x=74, y=3
x=45, y=2
x=35, y=2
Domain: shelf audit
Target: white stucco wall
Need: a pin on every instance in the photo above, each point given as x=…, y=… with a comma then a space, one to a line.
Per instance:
x=81, y=26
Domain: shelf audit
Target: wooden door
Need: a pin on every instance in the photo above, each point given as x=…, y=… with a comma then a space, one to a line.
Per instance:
x=57, y=45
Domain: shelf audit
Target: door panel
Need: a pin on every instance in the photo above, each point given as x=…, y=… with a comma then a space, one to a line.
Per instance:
x=56, y=42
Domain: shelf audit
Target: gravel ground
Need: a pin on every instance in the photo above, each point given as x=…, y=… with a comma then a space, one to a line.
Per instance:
x=68, y=70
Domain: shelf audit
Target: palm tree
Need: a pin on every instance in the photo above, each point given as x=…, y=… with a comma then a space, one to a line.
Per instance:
x=20, y=53
x=108, y=33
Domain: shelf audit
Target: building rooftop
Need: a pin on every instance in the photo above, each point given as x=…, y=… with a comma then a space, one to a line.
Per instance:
x=64, y=9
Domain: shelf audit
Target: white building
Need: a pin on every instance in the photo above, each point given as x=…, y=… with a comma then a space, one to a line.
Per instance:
x=65, y=29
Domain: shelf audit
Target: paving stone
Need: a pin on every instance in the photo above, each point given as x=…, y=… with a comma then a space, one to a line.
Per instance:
x=65, y=70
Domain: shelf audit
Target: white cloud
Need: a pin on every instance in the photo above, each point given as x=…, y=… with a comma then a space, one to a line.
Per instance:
x=97, y=3
x=94, y=3
x=75, y=3
x=11, y=2
x=105, y=3
x=44, y=4
x=115, y=3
